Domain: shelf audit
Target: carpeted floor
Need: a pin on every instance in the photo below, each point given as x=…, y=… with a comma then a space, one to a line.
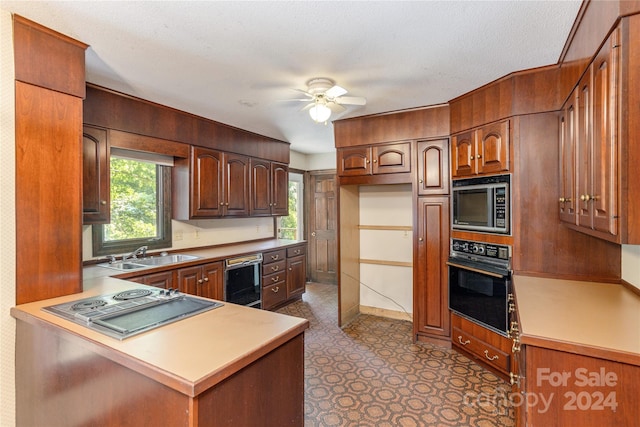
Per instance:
x=372, y=374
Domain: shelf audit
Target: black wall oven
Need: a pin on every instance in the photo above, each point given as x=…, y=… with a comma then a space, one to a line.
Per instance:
x=480, y=282
x=242, y=284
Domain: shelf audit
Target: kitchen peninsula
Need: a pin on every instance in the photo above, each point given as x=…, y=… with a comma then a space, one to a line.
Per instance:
x=229, y=366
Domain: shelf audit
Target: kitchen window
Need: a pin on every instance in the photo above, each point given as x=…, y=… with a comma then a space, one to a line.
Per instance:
x=140, y=204
x=291, y=227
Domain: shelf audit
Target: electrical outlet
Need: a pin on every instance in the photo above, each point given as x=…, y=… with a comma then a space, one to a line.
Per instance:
x=178, y=235
x=196, y=234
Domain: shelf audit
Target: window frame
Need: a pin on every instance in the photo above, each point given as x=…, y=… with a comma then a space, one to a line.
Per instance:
x=164, y=241
x=298, y=178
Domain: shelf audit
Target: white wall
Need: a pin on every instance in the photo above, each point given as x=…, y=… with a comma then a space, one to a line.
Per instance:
x=7, y=222
x=631, y=264
x=312, y=162
x=386, y=287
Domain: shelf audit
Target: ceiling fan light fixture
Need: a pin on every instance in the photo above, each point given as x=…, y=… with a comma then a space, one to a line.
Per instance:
x=320, y=113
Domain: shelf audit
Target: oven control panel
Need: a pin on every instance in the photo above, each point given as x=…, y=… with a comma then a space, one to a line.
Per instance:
x=486, y=251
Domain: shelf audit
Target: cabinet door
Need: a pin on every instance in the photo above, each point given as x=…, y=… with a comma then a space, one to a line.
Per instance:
x=584, y=127
x=236, y=185
x=492, y=153
x=95, y=176
x=567, y=199
x=604, y=161
x=354, y=161
x=162, y=280
x=431, y=278
x=211, y=282
x=433, y=167
x=463, y=151
x=260, y=188
x=296, y=275
x=206, y=183
x=187, y=279
x=391, y=158
x=279, y=189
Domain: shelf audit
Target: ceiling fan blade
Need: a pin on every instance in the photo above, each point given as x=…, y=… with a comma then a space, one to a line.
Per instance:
x=294, y=100
x=335, y=91
x=350, y=100
x=336, y=108
x=308, y=106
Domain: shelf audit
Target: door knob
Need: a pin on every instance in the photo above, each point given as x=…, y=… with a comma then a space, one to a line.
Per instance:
x=313, y=233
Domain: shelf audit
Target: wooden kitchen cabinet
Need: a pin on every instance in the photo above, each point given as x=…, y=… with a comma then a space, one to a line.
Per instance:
x=274, y=278
x=95, y=176
x=430, y=283
x=211, y=184
x=374, y=159
x=202, y=280
x=590, y=148
x=163, y=279
x=296, y=271
x=485, y=346
x=269, y=188
x=481, y=151
x=433, y=167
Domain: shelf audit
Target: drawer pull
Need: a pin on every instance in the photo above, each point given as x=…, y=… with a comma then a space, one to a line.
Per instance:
x=275, y=289
x=463, y=342
x=275, y=257
x=494, y=357
x=275, y=268
x=275, y=279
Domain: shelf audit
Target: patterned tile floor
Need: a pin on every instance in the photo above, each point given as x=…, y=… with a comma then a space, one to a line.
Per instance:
x=371, y=374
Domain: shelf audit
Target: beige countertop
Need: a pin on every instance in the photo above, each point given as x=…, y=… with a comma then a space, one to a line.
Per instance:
x=206, y=254
x=190, y=355
x=600, y=319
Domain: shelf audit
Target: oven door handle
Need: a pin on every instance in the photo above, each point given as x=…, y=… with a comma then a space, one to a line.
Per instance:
x=477, y=270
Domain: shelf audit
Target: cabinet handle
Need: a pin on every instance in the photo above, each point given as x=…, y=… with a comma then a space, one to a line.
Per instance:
x=512, y=307
x=226, y=204
x=290, y=269
x=297, y=251
x=463, y=342
x=313, y=233
x=103, y=202
x=275, y=289
x=375, y=160
x=206, y=279
x=420, y=181
x=585, y=197
x=420, y=239
x=515, y=348
x=275, y=268
x=221, y=203
x=514, y=379
x=275, y=204
x=274, y=257
x=275, y=279
x=367, y=161
x=200, y=282
x=472, y=158
x=479, y=156
x=494, y=357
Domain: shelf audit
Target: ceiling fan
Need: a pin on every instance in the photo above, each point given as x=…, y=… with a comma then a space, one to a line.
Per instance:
x=323, y=96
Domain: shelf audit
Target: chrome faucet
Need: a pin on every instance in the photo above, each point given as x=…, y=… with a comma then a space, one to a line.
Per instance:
x=142, y=250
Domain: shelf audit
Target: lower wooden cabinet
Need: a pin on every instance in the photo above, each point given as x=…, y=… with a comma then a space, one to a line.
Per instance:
x=486, y=347
x=202, y=280
x=284, y=275
x=163, y=279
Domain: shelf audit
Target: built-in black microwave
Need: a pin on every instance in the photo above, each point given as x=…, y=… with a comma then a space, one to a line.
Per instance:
x=482, y=204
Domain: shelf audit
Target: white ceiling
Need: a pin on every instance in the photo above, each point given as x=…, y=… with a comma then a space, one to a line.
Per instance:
x=233, y=61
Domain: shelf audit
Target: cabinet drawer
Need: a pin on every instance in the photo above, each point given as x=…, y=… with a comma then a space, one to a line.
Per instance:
x=488, y=353
x=273, y=256
x=295, y=251
x=274, y=279
x=273, y=295
x=274, y=267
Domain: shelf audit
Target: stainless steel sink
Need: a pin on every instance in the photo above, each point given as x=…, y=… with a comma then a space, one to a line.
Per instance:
x=164, y=260
x=154, y=261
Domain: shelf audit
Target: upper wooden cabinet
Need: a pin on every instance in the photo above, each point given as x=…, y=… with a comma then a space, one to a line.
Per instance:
x=211, y=184
x=589, y=147
x=269, y=188
x=433, y=167
x=480, y=151
x=95, y=176
x=375, y=159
